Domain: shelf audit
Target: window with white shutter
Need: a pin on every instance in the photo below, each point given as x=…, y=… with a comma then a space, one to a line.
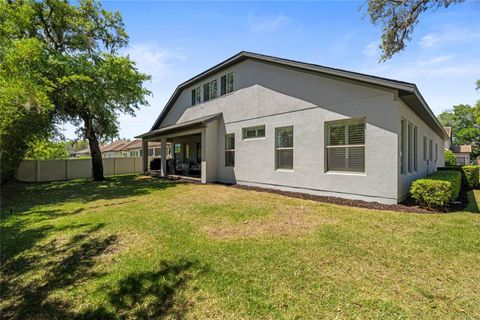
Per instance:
x=345, y=145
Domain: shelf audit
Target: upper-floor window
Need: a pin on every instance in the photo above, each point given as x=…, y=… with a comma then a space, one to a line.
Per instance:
x=346, y=145
x=226, y=83
x=210, y=90
x=196, y=96
x=254, y=132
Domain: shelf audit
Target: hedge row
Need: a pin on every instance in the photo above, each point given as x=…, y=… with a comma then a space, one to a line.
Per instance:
x=472, y=174
x=437, y=189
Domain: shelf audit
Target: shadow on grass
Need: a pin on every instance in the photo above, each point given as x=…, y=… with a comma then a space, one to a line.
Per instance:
x=149, y=295
x=30, y=283
x=20, y=197
x=473, y=202
x=29, y=279
x=24, y=204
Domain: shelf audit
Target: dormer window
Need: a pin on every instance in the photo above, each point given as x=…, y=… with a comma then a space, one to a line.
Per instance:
x=196, y=96
x=210, y=90
x=226, y=83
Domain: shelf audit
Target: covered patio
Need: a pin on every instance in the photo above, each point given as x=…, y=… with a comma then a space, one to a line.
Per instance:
x=194, y=149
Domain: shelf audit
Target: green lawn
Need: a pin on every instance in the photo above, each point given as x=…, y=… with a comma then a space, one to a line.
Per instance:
x=135, y=247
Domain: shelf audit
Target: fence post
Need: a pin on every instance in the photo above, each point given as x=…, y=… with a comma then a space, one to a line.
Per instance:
x=66, y=169
x=37, y=169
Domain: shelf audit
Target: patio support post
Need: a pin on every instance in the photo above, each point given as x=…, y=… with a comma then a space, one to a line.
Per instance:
x=144, y=156
x=163, y=160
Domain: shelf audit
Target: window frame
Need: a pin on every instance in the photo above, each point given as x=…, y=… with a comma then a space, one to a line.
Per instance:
x=347, y=123
x=410, y=147
x=277, y=129
x=229, y=150
x=256, y=128
x=430, y=149
x=425, y=148
x=196, y=99
x=415, y=148
x=224, y=83
x=210, y=90
x=403, y=146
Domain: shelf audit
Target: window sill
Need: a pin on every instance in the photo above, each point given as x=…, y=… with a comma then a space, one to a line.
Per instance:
x=347, y=173
x=284, y=170
x=259, y=138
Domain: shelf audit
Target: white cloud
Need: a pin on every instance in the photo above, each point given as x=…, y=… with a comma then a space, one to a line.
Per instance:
x=372, y=49
x=266, y=23
x=449, y=36
x=435, y=60
x=155, y=60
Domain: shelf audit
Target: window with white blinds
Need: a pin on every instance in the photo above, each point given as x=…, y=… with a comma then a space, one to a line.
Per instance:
x=346, y=145
x=230, y=150
x=284, y=148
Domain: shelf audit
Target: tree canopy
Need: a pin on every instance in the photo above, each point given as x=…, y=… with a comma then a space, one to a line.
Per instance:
x=79, y=75
x=465, y=122
x=398, y=19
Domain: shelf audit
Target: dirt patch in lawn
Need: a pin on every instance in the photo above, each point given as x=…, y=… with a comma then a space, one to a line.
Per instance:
x=286, y=221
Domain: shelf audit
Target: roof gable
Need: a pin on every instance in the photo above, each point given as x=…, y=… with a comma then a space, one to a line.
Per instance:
x=408, y=92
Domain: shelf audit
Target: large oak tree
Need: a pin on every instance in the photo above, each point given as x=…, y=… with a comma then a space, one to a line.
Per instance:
x=88, y=82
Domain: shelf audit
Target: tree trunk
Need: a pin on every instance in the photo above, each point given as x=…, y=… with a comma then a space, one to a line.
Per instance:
x=97, y=164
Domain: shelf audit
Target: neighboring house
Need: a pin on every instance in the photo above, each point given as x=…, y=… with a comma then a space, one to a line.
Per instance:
x=123, y=148
x=134, y=149
x=269, y=122
x=114, y=149
x=462, y=152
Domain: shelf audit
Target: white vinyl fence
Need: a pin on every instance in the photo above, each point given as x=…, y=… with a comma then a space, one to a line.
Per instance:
x=54, y=170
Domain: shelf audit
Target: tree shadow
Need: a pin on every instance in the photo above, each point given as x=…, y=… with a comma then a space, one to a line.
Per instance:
x=149, y=295
x=19, y=197
x=28, y=280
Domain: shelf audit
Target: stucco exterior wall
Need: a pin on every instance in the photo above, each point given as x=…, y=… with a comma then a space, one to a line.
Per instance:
x=423, y=167
x=269, y=95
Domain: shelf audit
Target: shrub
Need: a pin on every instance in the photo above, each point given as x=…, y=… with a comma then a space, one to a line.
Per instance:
x=471, y=175
x=437, y=189
x=450, y=159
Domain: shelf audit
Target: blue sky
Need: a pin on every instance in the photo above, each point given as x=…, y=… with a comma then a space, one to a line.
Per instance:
x=174, y=41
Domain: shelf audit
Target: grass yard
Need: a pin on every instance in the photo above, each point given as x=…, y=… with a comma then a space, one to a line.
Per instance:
x=134, y=247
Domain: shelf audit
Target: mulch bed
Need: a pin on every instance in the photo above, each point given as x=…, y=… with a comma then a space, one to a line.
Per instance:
x=408, y=205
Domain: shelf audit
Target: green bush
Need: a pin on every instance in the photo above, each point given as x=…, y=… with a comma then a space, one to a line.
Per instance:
x=437, y=189
x=450, y=159
x=472, y=175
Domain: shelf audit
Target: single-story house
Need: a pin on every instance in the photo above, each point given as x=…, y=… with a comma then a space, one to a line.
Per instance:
x=462, y=152
x=123, y=148
x=134, y=149
x=268, y=122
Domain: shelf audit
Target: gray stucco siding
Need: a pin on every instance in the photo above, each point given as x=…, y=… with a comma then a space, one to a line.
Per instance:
x=275, y=96
x=424, y=167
